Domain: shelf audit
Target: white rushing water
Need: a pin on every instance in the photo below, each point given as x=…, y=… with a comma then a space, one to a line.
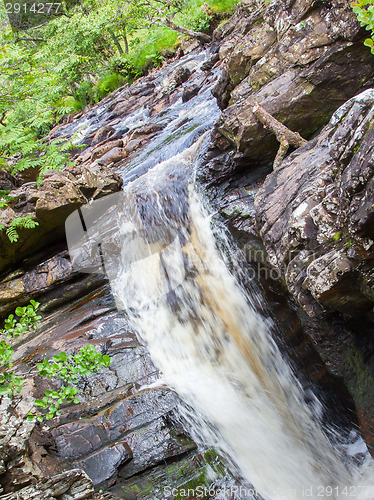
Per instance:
x=216, y=352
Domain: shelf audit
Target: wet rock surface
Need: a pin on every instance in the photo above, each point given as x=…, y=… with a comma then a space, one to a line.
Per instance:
x=120, y=424
x=123, y=434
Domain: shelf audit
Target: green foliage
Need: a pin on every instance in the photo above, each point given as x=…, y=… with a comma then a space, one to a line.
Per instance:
x=149, y=47
x=26, y=222
x=70, y=370
x=27, y=319
x=223, y=6
x=66, y=368
x=364, y=10
x=4, y=199
x=77, y=59
x=108, y=83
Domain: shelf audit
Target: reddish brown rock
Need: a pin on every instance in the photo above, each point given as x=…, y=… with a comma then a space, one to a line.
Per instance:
x=113, y=156
x=299, y=60
x=49, y=204
x=101, y=150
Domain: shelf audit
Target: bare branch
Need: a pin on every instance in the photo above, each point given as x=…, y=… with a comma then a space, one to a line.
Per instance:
x=284, y=135
x=202, y=37
x=29, y=40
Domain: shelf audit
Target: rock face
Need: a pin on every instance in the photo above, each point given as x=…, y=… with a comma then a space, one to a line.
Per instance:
x=19, y=471
x=299, y=59
x=73, y=484
x=15, y=431
x=120, y=426
x=316, y=218
x=49, y=204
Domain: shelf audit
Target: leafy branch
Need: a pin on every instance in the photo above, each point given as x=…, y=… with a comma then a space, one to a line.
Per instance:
x=70, y=370
x=27, y=320
x=67, y=368
x=364, y=10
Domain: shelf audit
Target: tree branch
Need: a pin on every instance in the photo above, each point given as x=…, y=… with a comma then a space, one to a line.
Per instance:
x=30, y=40
x=202, y=37
x=284, y=135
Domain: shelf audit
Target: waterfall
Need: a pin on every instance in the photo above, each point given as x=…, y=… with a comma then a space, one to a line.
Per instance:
x=156, y=244
x=210, y=344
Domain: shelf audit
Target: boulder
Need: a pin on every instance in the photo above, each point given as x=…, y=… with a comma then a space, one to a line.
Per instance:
x=102, y=149
x=102, y=134
x=177, y=77
x=112, y=156
x=190, y=92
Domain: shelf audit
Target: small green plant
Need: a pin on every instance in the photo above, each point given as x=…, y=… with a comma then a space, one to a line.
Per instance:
x=4, y=199
x=67, y=368
x=337, y=236
x=364, y=10
x=28, y=319
x=70, y=370
x=348, y=244
x=26, y=222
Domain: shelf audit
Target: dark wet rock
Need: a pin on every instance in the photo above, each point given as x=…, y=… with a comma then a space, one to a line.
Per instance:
x=49, y=204
x=222, y=89
x=104, y=463
x=20, y=286
x=125, y=433
x=210, y=63
x=178, y=76
x=300, y=62
x=190, y=92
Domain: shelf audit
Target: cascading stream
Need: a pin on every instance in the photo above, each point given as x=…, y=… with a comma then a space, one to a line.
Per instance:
x=157, y=246
x=212, y=347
